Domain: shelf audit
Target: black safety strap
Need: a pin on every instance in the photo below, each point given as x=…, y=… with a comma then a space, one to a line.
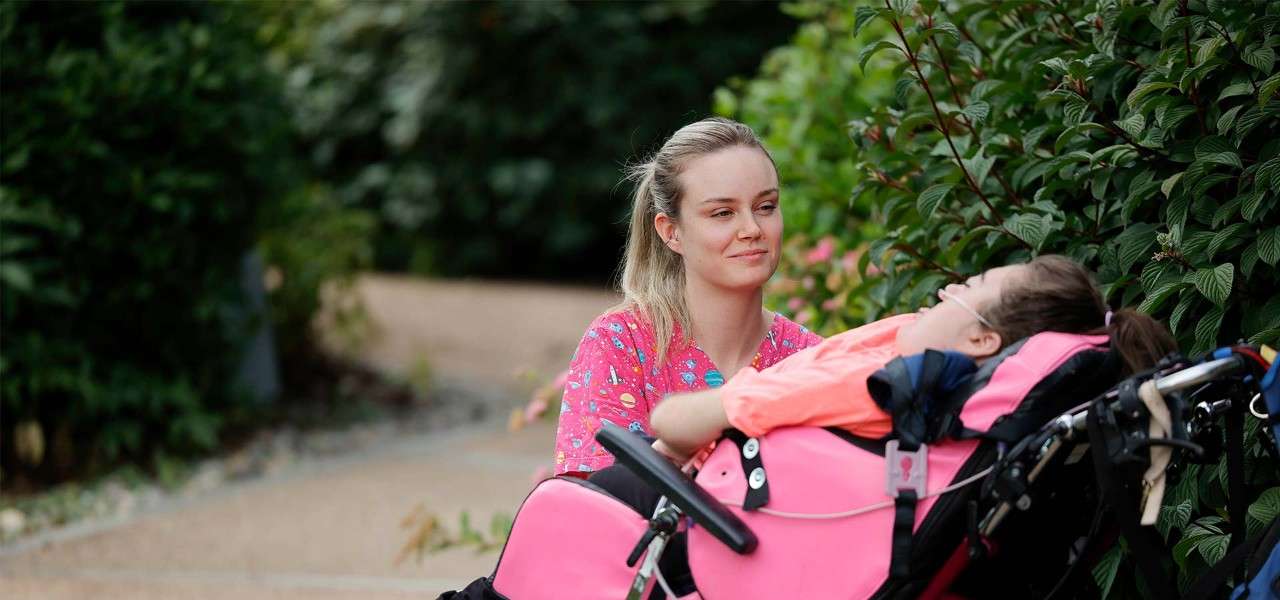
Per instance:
x=907, y=408
x=749, y=453
x=904, y=517
x=1106, y=442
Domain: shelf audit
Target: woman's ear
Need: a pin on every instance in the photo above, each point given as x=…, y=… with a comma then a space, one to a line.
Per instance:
x=668, y=231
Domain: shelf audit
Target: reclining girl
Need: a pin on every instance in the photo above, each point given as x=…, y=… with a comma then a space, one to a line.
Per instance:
x=826, y=386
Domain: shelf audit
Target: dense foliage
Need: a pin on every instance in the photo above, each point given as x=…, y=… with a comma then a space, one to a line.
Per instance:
x=143, y=143
x=488, y=137
x=1138, y=137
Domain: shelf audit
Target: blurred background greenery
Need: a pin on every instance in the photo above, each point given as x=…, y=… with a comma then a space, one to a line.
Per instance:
x=162, y=159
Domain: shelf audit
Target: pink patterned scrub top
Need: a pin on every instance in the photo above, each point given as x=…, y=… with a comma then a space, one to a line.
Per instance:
x=612, y=377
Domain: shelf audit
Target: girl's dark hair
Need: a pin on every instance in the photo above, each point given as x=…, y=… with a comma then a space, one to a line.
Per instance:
x=1056, y=293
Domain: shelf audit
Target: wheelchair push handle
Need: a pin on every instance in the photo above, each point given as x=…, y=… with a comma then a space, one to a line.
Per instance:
x=1181, y=380
x=633, y=452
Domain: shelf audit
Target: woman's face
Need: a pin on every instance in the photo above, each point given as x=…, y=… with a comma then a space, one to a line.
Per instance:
x=730, y=227
x=949, y=325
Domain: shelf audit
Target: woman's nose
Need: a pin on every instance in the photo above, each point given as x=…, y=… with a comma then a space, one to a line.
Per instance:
x=750, y=229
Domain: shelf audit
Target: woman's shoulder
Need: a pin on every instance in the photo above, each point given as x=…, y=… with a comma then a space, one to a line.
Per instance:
x=624, y=325
x=786, y=329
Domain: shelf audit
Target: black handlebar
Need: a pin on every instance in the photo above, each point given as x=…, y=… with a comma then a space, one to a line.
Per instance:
x=633, y=452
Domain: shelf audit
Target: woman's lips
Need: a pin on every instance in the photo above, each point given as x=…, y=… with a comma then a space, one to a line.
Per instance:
x=750, y=254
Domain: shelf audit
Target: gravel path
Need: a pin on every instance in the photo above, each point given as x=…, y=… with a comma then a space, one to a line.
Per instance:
x=330, y=526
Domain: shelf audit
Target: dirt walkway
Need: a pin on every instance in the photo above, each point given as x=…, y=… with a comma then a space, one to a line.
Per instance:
x=331, y=528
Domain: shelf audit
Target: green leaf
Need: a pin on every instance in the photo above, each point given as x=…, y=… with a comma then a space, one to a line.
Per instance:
x=1140, y=189
x=1227, y=237
x=1262, y=58
x=902, y=7
x=1252, y=202
x=1156, y=299
x=1167, y=187
x=867, y=52
x=15, y=277
x=970, y=53
x=1215, y=283
x=931, y=197
x=1030, y=228
x=1207, y=330
x=1208, y=48
x=1104, y=573
x=1074, y=110
x=1145, y=90
x=1218, y=150
x=861, y=17
x=978, y=167
x=1133, y=125
x=1132, y=244
x=1249, y=259
x=1268, y=88
x=1226, y=211
x=1056, y=64
x=1269, y=246
x=1236, y=89
x=977, y=111
x=1228, y=119
x=1214, y=547
x=1185, y=302
x=1267, y=507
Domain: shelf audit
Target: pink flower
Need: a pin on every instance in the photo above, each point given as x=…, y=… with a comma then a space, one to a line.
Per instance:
x=849, y=262
x=822, y=252
x=831, y=304
x=795, y=304
x=807, y=282
x=804, y=316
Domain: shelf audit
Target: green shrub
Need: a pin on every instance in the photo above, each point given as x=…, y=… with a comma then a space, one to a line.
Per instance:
x=141, y=141
x=1138, y=137
x=488, y=137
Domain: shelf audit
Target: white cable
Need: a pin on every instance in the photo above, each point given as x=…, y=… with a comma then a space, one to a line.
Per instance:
x=865, y=509
x=662, y=581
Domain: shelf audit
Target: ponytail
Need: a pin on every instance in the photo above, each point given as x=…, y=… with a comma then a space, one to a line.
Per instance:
x=1140, y=340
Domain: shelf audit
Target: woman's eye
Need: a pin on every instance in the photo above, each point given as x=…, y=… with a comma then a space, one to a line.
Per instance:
x=767, y=207
x=721, y=213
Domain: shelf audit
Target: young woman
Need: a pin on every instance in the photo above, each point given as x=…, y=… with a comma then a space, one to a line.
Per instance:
x=705, y=235
x=826, y=386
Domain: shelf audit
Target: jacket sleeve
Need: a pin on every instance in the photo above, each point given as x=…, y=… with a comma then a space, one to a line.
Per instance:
x=605, y=383
x=821, y=386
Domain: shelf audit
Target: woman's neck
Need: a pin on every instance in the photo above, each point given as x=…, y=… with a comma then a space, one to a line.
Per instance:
x=727, y=324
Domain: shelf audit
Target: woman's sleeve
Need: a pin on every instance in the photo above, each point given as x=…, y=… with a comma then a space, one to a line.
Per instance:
x=605, y=383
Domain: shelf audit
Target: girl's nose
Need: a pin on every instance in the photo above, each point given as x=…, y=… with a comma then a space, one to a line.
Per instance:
x=750, y=229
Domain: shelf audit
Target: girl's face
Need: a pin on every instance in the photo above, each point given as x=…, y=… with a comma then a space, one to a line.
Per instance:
x=730, y=227
x=949, y=325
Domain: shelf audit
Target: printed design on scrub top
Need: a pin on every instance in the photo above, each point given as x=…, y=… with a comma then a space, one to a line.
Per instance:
x=611, y=378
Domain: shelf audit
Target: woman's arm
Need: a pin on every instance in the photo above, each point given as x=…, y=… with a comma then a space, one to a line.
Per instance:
x=686, y=423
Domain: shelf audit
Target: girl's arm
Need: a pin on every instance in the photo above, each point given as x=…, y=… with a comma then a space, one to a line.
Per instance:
x=686, y=423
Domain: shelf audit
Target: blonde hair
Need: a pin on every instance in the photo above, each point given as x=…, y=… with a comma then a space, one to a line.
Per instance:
x=652, y=277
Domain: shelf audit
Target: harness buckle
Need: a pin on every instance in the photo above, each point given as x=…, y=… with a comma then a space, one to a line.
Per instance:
x=907, y=470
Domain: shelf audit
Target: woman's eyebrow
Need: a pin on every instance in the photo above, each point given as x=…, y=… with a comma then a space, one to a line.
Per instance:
x=729, y=200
